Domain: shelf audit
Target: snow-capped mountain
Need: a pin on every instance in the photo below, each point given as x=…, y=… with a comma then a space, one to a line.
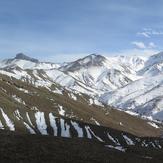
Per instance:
x=153, y=66
x=36, y=110
x=136, y=63
x=103, y=74
x=69, y=101
x=92, y=75
x=24, y=62
x=143, y=96
x=126, y=82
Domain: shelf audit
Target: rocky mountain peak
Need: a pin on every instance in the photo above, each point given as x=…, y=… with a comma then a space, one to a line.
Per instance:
x=88, y=61
x=25, y=57
x=155, y=59
x=92, y=60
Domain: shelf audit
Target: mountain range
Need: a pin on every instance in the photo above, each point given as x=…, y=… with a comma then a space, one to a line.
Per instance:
x=133, y=84
x=115, y=101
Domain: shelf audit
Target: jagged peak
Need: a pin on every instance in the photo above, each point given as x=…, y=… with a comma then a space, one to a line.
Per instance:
x=90, y=60
x=160, y=54
x=94, y=59
x=94, y=56
x=155, y=59
x=25, y=57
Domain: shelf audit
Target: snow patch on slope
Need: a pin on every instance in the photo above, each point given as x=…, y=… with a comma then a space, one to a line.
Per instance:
x=8, y=121
x=65, y=128
x=78, y=129
x=41, y=123
x=53, y=124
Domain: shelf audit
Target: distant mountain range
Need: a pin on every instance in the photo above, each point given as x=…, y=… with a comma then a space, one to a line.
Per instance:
x=130, y=83
x=114, y=101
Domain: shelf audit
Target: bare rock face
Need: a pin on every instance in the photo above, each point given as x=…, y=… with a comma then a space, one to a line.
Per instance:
x=24, y=57
x=86, y=62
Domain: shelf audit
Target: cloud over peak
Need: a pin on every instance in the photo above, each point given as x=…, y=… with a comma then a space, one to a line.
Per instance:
x=142, y=45
x=139, y=45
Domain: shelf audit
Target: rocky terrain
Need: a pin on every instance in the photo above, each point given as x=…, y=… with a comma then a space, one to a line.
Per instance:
x=110, y=105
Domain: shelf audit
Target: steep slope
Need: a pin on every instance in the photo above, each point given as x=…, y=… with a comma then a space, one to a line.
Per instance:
x=41, y=73
x=143, y=96
x=21, y=101
x=26, y=109
x=57, y=102
x=153, y=66
x=115, y=80
x=92, y=75
x=135, y=63
x=103, y=74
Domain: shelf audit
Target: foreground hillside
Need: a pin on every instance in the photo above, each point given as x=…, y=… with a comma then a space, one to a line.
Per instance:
x=52, y=114
x=30, y=109
x=34, y=148
x=76, y=131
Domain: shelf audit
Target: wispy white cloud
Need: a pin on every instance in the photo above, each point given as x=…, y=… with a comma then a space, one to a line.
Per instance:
x=142, y=45
x=139, y=45
x=144, y=34
x=152, y=45
x=148, y=32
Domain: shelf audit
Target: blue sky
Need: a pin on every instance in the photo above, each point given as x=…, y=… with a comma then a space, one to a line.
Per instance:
x=63, y=30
